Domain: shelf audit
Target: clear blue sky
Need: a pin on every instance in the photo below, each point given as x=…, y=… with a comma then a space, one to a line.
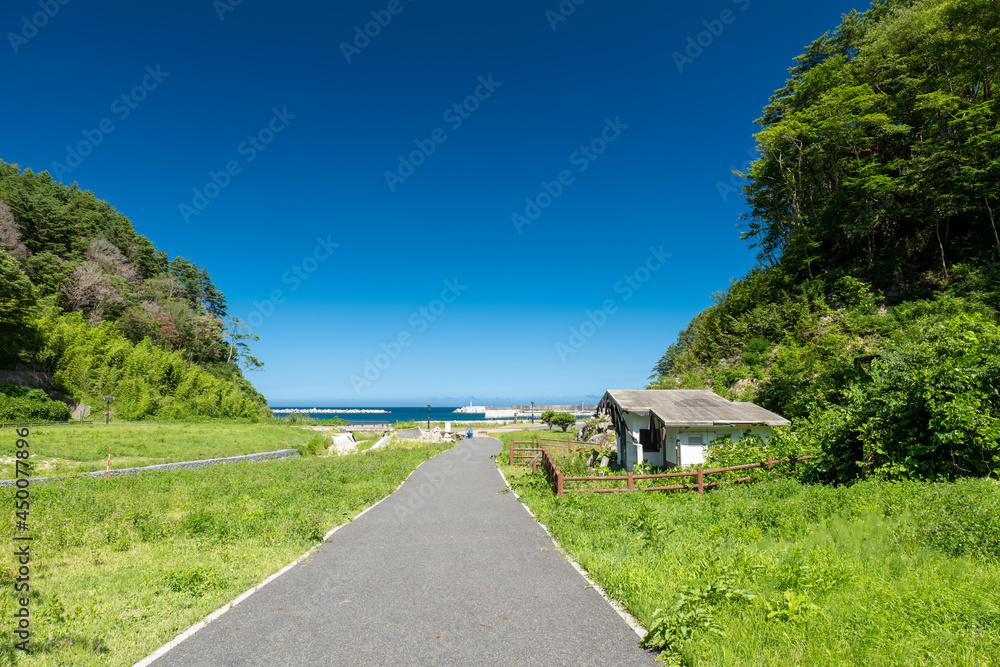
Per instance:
x=267, y=91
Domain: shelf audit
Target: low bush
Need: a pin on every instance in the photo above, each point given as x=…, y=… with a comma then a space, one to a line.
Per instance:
x=20, y=404
x=316, y=446
x=786, y=573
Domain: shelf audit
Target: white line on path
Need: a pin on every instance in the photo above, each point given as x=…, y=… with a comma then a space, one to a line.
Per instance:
x=627, y=617
x=163, y=650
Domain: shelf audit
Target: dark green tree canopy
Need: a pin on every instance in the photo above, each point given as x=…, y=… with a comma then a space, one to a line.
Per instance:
x=17, y=309
x=881, y=155
x=86, y=297
x=80, y=251
x=871, y=320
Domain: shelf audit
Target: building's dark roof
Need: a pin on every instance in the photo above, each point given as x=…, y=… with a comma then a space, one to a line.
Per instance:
x=692, y=407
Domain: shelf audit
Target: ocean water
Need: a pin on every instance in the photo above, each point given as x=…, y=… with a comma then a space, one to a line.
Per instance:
x=417, y=414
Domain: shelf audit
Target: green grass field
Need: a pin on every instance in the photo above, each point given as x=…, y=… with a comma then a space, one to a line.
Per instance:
x=782, y=573
x=122, y=565
x=76, y=448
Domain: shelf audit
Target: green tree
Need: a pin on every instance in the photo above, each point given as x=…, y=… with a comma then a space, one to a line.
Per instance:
x=237, y=333
x=215, y=301
x=546, y=417
x=17, y=308
x=880, y=155
x=932, y=407
x=562, y=419
x=871, y=318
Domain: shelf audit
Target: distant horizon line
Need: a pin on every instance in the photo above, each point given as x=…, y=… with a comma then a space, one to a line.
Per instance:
x=390, y=404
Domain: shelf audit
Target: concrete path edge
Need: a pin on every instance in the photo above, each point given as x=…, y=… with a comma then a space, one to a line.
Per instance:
x=163, y=650
x=636, y=627
x=614, y=604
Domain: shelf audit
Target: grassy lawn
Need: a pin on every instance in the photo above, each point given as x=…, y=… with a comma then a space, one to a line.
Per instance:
x=366, y=439
x=782, y=573
x=122, y=565
x=76, y=448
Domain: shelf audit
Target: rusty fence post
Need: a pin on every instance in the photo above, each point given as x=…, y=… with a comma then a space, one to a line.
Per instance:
x=701, y=482
x=559, y=483
x=630, y=487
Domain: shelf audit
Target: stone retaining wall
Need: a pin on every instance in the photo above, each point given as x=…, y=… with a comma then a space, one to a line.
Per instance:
x=280, y=454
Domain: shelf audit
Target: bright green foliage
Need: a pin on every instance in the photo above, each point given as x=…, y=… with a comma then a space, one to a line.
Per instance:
x=76, y=448
x=561, y=419
x=145, y=379
x=546, y=417
x=788, y=574
x=872, y=208
x=316, y=446
x=690, y=616
x=149, y=331
x=143, y=557
x=933, y=405
x=304, y=419
x=907, y=390
x=930, y=406
x=76, y=252
x=19, y=404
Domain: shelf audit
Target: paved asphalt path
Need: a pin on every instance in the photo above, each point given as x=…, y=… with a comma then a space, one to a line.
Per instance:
x=449, y=570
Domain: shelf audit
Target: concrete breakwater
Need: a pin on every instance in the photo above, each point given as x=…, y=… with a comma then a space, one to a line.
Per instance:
x=508, y=412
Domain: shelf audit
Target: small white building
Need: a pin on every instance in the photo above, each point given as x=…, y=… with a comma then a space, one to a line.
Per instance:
x=671, y=427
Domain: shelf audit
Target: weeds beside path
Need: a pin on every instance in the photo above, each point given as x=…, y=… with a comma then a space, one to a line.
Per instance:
x=449, y=570
x=783, y=573
x=74, y=448
x=121, y=565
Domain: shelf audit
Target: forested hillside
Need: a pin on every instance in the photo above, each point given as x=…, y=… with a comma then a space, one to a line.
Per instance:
x=871, y=318
x=94, y=303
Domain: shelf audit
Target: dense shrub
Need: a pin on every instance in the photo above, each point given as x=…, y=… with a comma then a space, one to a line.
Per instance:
x=19, y=404
x=145, y=379
x=785, y=573
x=316, y=446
